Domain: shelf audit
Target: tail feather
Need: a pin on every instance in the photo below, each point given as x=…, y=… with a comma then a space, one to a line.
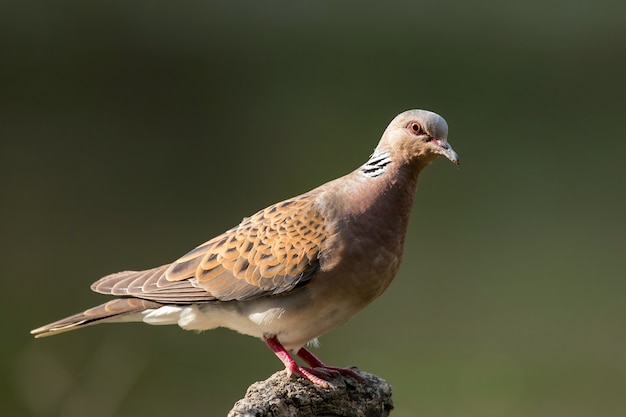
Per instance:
x=114, y=310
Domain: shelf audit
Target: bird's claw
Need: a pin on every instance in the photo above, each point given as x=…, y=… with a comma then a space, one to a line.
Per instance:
x=318, y=373
x=310, y=375
x=321, y=374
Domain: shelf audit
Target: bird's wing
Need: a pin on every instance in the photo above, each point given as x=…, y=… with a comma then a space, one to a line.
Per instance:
x=266, y=254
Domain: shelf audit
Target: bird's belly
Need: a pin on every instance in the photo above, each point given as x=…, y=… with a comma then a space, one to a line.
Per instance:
x=294, y=324
x=200, y=317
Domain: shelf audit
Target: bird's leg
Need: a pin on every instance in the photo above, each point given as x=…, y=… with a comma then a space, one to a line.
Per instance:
x=291, y=365
x=315, y=363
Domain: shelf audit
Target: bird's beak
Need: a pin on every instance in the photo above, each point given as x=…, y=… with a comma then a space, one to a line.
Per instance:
x=444, y=148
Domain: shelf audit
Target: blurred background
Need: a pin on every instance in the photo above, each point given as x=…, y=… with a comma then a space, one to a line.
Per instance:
x=133, y=131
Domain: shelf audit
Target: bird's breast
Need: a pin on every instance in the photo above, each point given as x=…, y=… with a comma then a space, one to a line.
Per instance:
x=366, y=246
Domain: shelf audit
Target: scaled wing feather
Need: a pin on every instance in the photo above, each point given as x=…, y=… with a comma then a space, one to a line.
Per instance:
x=269, y=253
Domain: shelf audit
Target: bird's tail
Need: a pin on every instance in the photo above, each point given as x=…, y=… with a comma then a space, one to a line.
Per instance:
x=120, y=309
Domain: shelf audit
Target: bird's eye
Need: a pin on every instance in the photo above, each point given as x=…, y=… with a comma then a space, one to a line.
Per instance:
x=416, y=128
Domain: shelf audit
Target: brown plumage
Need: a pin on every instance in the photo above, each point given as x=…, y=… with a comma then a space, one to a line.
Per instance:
x=298, y=268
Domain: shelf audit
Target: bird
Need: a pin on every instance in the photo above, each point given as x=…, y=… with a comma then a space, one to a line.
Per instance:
x=295, y=270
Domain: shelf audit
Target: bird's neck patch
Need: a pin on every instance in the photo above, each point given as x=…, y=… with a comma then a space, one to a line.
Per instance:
x=377, y=165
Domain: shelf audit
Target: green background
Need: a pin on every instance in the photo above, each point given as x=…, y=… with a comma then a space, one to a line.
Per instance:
x=133, y=131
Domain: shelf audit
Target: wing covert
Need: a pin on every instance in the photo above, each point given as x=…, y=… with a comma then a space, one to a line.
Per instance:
x=268, y=253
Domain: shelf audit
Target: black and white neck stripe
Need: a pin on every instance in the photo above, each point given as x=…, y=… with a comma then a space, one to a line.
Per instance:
x=377, y=165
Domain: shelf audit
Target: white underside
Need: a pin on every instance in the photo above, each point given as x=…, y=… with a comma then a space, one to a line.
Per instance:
x=259, y=321
x=192, y=318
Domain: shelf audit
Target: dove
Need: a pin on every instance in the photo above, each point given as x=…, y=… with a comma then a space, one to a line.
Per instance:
x=296, y=269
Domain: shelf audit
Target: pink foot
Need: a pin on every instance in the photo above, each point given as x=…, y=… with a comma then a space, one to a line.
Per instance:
x=314, y=374
x=315, y=363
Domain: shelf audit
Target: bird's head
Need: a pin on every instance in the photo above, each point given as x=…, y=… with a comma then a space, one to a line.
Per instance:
x=418, y=136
